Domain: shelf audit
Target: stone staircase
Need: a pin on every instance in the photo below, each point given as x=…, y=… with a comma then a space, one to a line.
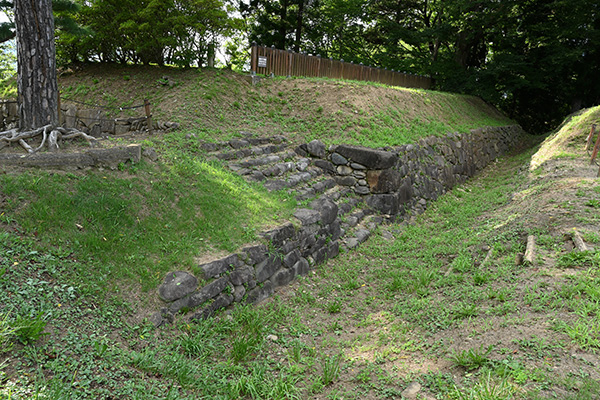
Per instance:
x=276, y=164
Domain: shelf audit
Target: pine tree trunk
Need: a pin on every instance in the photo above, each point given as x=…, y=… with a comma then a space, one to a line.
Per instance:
x=36, y=60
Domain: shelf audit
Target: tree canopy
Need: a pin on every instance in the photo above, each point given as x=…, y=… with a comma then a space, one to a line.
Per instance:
x=535, y=59
x=178, y=32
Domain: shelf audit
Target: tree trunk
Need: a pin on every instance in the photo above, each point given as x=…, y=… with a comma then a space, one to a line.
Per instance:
x=299, y=26
x=36, y=60
x=283, y=25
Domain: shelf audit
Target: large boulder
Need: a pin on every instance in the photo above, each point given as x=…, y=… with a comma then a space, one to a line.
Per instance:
x=370, y=158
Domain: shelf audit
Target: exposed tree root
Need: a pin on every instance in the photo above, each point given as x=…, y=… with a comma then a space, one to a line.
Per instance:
x=51, y=135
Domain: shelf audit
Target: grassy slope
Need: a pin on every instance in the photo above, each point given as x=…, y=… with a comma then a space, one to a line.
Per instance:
x=570, y=135
x=217, y=104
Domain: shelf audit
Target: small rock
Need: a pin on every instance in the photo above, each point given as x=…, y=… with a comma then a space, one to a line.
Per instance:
x=346, y=180
x=157, y=319
x=344, y=170
x=387, y=234
x=411, y=391
x=150, y=154
x=362, y=234
x=238, y=143
x=272, y=338
x=307, y=217
x=362, y=190
x=358, y=166
x=352, y=221
x=238, y=294
x=338, y=159
x=352, y=243
x=302, y=164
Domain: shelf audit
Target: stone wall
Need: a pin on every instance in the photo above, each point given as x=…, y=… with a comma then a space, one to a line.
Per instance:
x=395, y=180
x=392, y=181
x=253, y=274
x=94, y=122
x=9, y=115
x=97, y=123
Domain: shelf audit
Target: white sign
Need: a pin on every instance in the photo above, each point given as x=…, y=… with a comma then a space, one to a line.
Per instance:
x=262, y=62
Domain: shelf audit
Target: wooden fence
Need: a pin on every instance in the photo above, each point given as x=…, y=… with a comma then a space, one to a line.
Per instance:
x=272, y=61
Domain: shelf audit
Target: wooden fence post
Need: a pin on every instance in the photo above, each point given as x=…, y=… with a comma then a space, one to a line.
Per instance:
x=148, y=116
x=596, y=147
x=590, y=137
x=253, y=58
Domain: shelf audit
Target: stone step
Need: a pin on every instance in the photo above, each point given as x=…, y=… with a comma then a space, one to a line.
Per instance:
x=248, y=140
x=355, y=217
x=243, y=165
x=293, y=180
x=347, y=204
x=249, y=152
x=352, y=238
x=278, y=168
x=313, y=188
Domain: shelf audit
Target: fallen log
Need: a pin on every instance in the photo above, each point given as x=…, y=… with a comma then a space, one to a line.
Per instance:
x=530, y=250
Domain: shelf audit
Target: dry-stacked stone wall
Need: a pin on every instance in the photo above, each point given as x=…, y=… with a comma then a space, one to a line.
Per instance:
x=254, y=273
x=395, y=180
x=391, y=181
x=94, y=122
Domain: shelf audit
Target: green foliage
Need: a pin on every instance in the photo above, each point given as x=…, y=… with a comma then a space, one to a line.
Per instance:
x=29, y=329
x=579, y=259
x=152, y=31
x=462, y=263
x=594, y=203
x=8, y=63
x=331, y=369
x=471, y=359
x=6, y=333
x=486, y=388
x=512, y=53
